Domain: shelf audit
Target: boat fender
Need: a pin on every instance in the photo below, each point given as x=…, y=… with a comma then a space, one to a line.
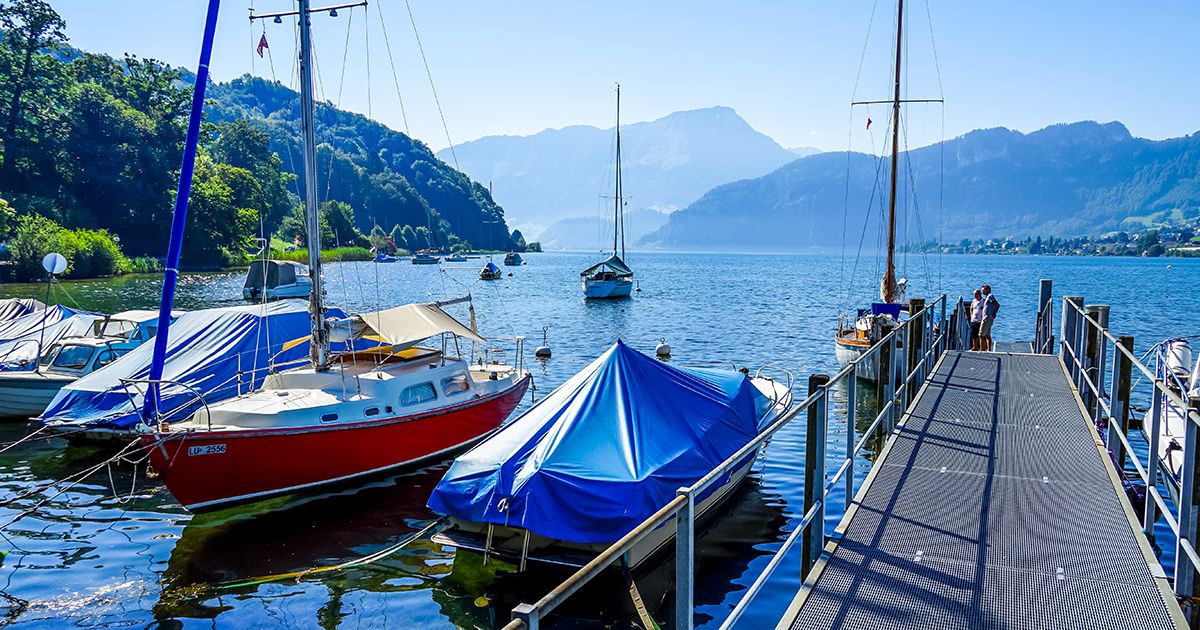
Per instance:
x=662, y=350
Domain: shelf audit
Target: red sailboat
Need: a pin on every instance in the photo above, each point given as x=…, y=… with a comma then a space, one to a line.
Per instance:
x=393, y=405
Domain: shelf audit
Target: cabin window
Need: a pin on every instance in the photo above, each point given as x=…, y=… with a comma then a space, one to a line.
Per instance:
x=74, y=357
x=106, y=357
x=151, y=331
x=388, y=408
x=49, y=355
x=456, y=384
x=371, y=411
x=417, y=394
x=329, y=417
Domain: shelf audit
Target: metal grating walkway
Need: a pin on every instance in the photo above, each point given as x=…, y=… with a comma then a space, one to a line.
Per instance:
x=993, y=507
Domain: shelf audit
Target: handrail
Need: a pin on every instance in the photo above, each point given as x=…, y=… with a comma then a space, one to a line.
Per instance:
x=1085, y=341
x=935, y=341
x=166, y=381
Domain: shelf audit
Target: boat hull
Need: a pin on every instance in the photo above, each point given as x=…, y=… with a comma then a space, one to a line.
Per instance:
x=297, y=290
x=867, y=369
x=207, y=470
x=25, y=397
x=607, y=289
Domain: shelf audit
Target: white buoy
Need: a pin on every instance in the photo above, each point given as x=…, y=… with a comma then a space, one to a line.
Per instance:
x=543, y=351
x=662, y=350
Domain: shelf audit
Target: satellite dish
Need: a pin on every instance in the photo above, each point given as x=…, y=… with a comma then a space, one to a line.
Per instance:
x=54, y=263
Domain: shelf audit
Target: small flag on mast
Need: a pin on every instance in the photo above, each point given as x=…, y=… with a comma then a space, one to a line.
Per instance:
x=262, y=44
x=868, y=118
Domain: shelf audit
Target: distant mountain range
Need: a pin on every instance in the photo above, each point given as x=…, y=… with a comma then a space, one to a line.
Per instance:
x=595, y=233
x=667, y=164
x=1064, y=180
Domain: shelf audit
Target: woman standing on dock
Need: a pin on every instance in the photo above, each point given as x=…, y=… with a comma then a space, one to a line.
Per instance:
x=976, y=320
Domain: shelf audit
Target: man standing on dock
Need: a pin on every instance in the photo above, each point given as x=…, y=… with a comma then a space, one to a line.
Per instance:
x=976, y=320
x=991, y=306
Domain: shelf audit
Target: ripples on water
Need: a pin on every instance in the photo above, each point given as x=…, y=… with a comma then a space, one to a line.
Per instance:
x=101, y=555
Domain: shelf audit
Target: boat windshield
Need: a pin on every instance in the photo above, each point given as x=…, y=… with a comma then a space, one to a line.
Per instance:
x=115, y=328
x=73, y=357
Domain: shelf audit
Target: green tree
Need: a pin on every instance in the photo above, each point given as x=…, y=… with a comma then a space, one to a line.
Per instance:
x=241, y=144
x=220, y=227
x=339, y=217
x=31, y=29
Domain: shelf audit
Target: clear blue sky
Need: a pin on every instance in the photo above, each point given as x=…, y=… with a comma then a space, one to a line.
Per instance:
x=789, y=68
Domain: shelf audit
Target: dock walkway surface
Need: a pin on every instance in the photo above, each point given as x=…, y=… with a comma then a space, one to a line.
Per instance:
x=994, y=506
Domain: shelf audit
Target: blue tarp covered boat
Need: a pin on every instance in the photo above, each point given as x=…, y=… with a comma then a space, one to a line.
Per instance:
x=206, y=351
x=22, y=338
x=12, y=308
x=607, y=449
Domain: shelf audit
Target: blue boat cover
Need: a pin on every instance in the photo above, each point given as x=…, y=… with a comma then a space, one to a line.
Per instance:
x=12, y=308
x=203, y=353
x=23, y=338
x=605, y=450
x=490, y=267
x=885, y=308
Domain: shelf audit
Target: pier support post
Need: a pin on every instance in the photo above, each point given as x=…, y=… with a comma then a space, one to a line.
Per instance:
x=1156, y=405
x=1189, y=501
x=813, y=536
x=1119, y=390
x=685, y=570
x=883, y=370
x=1044, y=335
x=1094, y=342
x=943, y=329
x=1068, y=331
x=900, y=345
x=914, y=343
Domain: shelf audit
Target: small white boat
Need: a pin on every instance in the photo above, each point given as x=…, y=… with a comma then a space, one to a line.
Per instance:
x=425, y=258
x=25, y=394
x=276, y=279
x=1174, y=358
x=611, y=278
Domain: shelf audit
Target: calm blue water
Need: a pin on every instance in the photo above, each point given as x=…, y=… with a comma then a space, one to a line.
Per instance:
x=122, y=553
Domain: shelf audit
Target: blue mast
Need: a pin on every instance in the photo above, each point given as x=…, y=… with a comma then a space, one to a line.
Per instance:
x=179, y=216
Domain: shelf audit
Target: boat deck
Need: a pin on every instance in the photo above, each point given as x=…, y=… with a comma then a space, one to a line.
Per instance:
x=994, y=506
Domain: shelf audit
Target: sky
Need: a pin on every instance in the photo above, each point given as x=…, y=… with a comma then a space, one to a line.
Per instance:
x=789, y=68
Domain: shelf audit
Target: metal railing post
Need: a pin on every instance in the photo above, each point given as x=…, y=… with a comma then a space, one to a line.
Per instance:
x=913, y=344
x=883, y=370
x=944, y=329
x=1045, y=314
x=527, y=613
x=1094, y=344
x=1119, y=392
x=889, y=388
x=1150, y=515
x=851, y=422
x=813, y=537
x=1069, y=330
x=900, y=346
x=685, y=573
x=1185, y=573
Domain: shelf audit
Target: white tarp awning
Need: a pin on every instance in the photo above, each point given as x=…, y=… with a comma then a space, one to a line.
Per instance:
x=407, y=325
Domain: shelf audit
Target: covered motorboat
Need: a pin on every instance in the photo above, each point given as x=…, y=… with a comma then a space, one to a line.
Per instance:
x=602, y=453
x=25, y=338
x=12, y=308
x=371, y=411
x=610, y=278
x=490, y=272
x=275, y=279
x=218, y=353
x=425, y=258
x=26, y=393
x=513, y=259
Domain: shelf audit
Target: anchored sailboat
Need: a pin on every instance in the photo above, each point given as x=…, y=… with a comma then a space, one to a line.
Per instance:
x=611, y=277
x=341, y=417
x=856, y=334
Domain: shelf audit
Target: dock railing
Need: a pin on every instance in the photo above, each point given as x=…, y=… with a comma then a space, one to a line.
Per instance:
x=1085, y=348
x=905, y=358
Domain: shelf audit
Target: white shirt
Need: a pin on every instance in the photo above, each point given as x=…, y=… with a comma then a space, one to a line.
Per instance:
x=977, y=310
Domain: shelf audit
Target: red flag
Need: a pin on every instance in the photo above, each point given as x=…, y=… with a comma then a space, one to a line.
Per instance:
x=262, y=43
x=868, y=118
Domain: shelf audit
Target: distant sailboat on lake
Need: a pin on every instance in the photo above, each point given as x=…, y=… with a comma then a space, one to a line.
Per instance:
x=612, y=277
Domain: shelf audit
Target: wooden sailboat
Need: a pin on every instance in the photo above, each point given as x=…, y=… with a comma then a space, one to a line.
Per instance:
x=856, y=334
x=612, y=277
x=342, y=417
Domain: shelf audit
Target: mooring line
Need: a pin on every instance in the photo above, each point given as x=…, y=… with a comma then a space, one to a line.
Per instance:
x=365, y=560
x=75, y=479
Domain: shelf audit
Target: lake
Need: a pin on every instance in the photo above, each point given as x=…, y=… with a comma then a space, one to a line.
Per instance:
x=119, y=551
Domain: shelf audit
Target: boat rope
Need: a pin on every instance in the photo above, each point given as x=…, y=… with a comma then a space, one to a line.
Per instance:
x=392, y=61
x=74, y=480
x=432, y=87
x=357, y=562
x=27, y=438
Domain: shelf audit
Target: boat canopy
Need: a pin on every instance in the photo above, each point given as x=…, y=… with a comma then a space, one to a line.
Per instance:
x=613, y=264
x=491, y=267
x=22, y=339
x=12, y=308
x=219, y=352
x=406, y=326
x=605, y=450
x=275, y=273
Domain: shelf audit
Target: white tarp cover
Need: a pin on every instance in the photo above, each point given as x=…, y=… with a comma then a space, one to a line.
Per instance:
x=21, y=338
x=12, y=308
x=408, y=325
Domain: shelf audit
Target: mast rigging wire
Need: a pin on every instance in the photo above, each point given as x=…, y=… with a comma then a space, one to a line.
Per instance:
x=432, y=87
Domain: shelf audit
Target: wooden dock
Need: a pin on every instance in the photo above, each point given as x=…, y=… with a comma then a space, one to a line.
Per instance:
x=993, y=506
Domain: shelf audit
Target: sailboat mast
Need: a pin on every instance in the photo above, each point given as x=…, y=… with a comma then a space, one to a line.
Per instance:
x=319, y=347
x=889, y=278
x=179, y=216
x=617, y=218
